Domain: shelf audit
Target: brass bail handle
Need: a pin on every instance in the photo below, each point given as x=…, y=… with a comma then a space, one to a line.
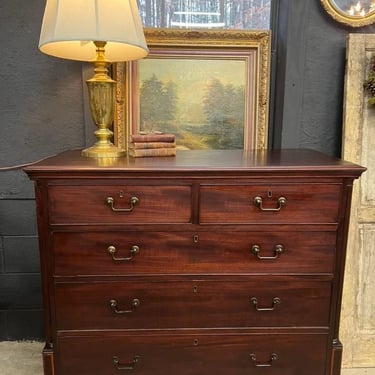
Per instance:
x=132, y=203
x=275, y=301
x=273, y=358
x=132, y=252
x=255, y=249
x=125, y=367
x=258, y=202
x=134, y=304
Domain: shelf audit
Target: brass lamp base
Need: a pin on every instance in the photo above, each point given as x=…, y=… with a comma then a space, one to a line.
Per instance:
x=103, y=152
x=101, y=89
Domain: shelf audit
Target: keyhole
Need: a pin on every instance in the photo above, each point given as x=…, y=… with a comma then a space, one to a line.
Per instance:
x=269, y=194
x=196, y=238
x=121, y=194
x=196, y=342
x=195, y=289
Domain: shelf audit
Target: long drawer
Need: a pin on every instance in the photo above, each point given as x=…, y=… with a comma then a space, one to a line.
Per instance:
x=114, y=253
x=258, y=302
x=281, y=203
x=188, y=354
x=119, y=204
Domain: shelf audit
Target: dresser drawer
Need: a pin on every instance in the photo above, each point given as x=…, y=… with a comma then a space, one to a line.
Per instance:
x=129, y=253
x=281, y=203
x=119, y=204
x=188, y=354
x=258, y=302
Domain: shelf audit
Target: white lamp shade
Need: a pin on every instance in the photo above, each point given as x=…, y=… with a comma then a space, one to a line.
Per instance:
x=70, y=27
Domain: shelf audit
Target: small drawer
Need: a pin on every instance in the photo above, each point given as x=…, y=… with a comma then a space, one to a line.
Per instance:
x=255, y=302
x=130, y=253
x=119, y=204
x=190, y=354
x=281, y=203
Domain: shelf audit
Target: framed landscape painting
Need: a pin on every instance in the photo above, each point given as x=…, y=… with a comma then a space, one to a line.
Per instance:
x=208, y=88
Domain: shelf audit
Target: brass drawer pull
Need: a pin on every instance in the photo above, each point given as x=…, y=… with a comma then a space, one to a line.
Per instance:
x=129, y=367
x=273, y=358
x=275, y=302
x=111, y=202
x=255, y=249
x=258, y=201
x=113, y=304
x=133, y=251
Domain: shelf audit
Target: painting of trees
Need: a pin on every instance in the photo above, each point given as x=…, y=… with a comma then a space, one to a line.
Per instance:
x=218, y=124
x=208, y=98
x=224, y=109
x=157, y=103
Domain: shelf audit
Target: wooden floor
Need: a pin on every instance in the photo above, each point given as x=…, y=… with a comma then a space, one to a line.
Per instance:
x=24, y=358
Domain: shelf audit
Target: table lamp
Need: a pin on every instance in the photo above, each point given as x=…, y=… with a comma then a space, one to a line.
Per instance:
x=102, y=32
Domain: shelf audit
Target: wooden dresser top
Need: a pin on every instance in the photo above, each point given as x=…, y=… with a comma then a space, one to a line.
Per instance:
x=207, y=162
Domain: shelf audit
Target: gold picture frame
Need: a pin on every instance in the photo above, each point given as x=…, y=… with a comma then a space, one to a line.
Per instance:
x=357, y=15
x=251, y=49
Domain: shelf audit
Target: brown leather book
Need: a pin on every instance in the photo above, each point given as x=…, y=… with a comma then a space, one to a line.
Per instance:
x=142, y=145
x=153, y=137
x=147, y=152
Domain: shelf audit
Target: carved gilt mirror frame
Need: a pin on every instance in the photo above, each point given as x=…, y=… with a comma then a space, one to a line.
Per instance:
x=250, y=48
x=354, y=13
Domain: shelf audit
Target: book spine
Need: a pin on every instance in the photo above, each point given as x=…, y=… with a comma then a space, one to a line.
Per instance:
x=146, y=152
x=141, y=145
x=153, y=138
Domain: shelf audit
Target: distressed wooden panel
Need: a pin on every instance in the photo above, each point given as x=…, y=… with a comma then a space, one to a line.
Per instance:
x=358, y=309
x=366, y=302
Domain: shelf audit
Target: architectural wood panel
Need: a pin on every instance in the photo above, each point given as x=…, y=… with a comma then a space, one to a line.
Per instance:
x=358, y=309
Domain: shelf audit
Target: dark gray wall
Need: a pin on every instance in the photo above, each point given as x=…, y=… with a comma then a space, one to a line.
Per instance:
x=310, y=77
x=41, y=113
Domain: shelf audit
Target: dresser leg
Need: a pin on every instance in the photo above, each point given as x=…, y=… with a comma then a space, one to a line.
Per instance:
x=336, y=358
x=48, y=361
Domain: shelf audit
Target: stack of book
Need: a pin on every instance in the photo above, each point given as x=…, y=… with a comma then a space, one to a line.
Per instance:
x=152, y=144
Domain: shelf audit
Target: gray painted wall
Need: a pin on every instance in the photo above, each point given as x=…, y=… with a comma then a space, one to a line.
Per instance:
x=41, y=113
x=311, y=114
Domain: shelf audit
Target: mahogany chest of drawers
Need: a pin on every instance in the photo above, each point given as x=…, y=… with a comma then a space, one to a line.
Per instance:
x=212, y=262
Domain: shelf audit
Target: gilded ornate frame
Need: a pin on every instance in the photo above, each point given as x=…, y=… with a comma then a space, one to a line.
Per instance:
x=225, y=40
x=340, y=16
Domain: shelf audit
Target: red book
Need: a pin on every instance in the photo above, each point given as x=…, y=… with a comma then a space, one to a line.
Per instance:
x=153, y=137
